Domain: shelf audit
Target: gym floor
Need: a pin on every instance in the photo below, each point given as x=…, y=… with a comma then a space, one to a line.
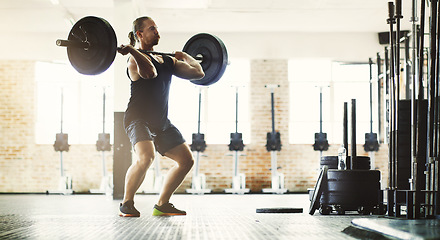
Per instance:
x=211, y=216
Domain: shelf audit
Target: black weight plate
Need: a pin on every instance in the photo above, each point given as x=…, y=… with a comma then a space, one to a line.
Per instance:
x=353, y=186
x=215, y=56
x=322, y=181
x=102, y=51
x=361, y=163
x=354, y=175
x=279, y=210
x=349, y=199
x=330, y=161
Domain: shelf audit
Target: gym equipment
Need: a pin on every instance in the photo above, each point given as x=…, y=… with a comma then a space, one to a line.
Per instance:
x=62, y=145
x=361, y=163
x=198, y=184
x=371, y=143
x=330, y=161
x=380, y=83
x=403, y=179
x=213, y=55
x=273, y=141
x=236, y=145
x=393, y=100
x=198, y=142
x=334, y=162
x=419, y=117
x=92, y=45
x=317, y=192
x=273, y=138
x=103, y=145
x=273, y=145
x=433, y=207
x=413, y=124
x=353, y=134
x=344, y=165
x=103, y=142
x=413, y=191
x=279, y=210
x=321, y=142
x=351, y=190
x=355, y=189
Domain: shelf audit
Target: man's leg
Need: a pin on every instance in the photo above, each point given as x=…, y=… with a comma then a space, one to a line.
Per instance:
x=136, y=173
x=181, y=154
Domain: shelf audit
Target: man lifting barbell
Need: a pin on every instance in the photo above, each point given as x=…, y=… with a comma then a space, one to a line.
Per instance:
x=91, y=49
x=146, y=118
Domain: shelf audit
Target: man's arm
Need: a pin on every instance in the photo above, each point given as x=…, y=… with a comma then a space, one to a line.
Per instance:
x=187, y=67
x=139, y=64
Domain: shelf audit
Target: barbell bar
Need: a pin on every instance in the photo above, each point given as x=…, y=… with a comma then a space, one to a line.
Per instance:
x=86, y=45
x=92, y=46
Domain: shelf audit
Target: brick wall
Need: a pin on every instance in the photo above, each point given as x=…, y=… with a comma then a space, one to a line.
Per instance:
x=24, y=165
x=16, y=118
x=28, y=167
x=299, y=162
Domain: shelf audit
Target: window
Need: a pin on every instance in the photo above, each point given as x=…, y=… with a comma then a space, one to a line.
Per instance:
x=352, y=81
x=217, y=105
x=83, y=99
x=340, y=83
x=305, y=85
x=82, y=108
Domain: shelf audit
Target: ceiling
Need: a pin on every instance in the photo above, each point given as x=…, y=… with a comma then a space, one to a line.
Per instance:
x=43, y=16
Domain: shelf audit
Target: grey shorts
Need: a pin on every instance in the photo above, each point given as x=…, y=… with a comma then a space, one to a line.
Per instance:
x=164, y=139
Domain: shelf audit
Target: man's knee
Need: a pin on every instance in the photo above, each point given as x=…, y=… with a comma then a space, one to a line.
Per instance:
x=146, y=154
x=145, y=159
x=187, y=163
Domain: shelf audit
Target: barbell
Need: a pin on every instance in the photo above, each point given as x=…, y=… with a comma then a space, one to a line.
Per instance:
x=92, y=46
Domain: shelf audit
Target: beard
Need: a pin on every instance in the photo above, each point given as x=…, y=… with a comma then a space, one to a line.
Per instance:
x=155, y=41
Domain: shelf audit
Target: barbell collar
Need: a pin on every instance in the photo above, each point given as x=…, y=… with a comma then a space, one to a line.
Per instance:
x=72, y=43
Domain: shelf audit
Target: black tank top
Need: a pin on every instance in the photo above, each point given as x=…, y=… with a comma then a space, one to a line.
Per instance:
x=149, y=97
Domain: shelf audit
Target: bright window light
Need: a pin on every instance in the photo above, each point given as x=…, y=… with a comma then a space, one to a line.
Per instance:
x=340, y=83
x=217, y=105
x=82, y=109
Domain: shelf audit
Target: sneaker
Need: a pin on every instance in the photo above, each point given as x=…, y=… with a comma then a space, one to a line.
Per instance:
x=128, y=210
x=167, y=209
